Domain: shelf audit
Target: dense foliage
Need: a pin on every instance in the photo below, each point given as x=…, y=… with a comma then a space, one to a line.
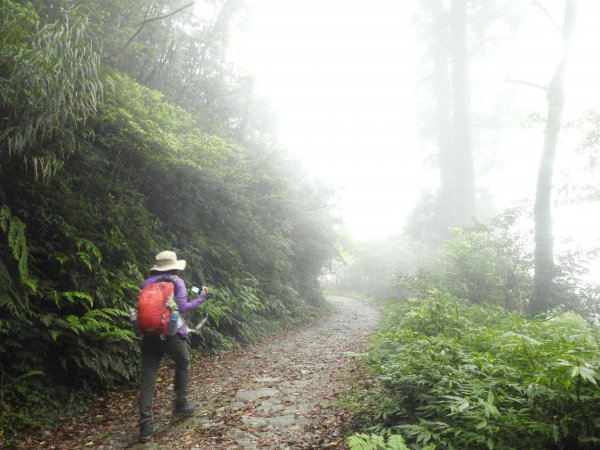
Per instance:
x=99, y=173
x=458, y=364
x=471, y=376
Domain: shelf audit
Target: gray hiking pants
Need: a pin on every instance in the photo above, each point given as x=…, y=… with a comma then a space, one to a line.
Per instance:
x=153, y=348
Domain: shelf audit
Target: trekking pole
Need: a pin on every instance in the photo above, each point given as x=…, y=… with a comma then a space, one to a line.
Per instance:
x=199, y=325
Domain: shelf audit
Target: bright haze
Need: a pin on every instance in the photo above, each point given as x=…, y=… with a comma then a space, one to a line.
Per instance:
x=344, y=78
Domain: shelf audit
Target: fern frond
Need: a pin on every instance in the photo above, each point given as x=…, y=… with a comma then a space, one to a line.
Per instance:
x=105, y=313
x=11, y=298
x=17, y=242
x=72, y=296
x=5, y=217
x=362, y=441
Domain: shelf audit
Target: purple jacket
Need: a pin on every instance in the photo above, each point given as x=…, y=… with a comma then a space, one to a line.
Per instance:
x=180, y=295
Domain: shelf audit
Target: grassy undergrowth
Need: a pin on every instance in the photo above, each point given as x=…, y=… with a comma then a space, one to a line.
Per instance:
x=450, y=375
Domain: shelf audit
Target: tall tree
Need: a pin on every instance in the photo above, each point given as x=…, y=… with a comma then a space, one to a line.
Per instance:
x=441, y=86
x=449, y=54
x=464, y=174
x=544, y=238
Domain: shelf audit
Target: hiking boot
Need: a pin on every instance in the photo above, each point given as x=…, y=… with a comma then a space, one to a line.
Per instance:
x=147, y=430
x=185, y=408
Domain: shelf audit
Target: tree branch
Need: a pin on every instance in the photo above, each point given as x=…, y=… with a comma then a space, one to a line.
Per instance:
x=526, y=83
x=216, y=97
x=152, y=19
x=548, y=15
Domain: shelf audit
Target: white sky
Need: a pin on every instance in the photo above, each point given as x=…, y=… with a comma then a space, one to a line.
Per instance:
x=341, y=75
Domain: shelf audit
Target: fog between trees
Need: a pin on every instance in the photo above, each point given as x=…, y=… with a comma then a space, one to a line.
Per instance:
x=126, y=129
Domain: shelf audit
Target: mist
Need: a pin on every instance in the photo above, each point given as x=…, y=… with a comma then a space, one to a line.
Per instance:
x=352, y=87
x=355, y=92
x=373, y=224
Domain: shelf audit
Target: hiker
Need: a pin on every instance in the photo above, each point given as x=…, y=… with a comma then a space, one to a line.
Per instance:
x=153, y=347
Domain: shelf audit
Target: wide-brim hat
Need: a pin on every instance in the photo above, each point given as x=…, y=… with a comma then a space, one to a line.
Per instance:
x=167, y=260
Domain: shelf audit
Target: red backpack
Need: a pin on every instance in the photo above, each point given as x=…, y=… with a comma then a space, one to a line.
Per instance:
x=155, y=303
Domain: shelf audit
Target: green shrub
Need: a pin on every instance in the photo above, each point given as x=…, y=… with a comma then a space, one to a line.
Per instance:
x=470, y=376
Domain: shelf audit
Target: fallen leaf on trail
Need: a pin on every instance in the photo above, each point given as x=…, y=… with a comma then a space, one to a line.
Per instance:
x=309, y=374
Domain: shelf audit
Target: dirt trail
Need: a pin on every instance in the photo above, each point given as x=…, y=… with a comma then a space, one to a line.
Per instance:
x=276, y=394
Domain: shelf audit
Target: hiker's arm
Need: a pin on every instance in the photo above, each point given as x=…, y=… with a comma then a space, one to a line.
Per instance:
x=183, y=303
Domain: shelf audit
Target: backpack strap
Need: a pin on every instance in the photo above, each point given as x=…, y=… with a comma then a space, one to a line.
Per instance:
x=167, y=277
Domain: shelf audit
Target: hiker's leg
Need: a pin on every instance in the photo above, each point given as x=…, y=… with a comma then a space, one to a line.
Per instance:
x=177, y=349
x=180, y=354
x=151, y=356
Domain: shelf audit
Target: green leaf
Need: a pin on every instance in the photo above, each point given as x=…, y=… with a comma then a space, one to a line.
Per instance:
x=31, y=373
x=589, y=375
x=54, y=334
x=396, y=442
x=521, y=336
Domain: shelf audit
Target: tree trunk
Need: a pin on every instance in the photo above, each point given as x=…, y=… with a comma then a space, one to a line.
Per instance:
x=544, y=238
x=441, y=78
x=464, y=173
